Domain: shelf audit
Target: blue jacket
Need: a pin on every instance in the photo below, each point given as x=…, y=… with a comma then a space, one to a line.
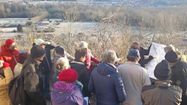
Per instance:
x=107, y=85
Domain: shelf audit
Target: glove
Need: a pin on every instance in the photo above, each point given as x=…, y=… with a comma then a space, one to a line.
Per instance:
x=4, y=64
x=151, y=57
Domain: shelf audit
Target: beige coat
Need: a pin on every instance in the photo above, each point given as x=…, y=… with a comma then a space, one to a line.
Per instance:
x=4, y=98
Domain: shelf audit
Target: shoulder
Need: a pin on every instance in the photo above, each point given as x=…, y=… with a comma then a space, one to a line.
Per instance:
x=77, y=94
x=176, y=89
x=147, y=88
x=29, y=67
x=143, y=70
x=122, y=66
x=78, y=65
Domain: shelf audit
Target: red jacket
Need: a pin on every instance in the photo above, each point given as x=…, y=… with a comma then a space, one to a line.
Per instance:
x=9, y=56
x=89, y=59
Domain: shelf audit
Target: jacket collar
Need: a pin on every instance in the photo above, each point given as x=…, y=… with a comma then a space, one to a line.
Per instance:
x=133, y=63
x=31, y=60
x=78, y=62
x=163, y=84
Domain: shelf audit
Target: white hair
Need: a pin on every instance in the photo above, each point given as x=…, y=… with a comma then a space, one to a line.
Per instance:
x=64, y=62
x=109, y=56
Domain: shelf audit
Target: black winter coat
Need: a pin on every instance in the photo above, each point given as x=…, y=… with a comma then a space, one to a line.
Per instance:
x=179, y=75
x=83, y=76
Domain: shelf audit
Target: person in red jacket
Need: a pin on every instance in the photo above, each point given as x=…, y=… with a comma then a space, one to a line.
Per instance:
x=9, y=53
x=89, y=57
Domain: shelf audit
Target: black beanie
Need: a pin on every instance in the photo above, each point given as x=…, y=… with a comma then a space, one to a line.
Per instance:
x=59, y=50
x=162, y=70
x=37, y=51
x=171, y=56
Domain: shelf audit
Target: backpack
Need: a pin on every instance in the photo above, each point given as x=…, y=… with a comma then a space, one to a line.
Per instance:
x=16, y=91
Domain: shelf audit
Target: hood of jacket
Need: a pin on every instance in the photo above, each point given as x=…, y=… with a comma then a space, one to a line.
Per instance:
x=62, y=91
x=106, y=69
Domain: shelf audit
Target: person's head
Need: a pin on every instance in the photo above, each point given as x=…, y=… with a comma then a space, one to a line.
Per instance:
x=40, y=42
x=169, y=48
x=162, y=71
x=80, y=55
x=109, y=56
x=37, y=53
x=135, y=45
x=83, y=45
x=62, y=64
x=3, y=64
x=69, y=75
x=172, y=57
x=133, y=55
x=10, y=44
x=59, y=51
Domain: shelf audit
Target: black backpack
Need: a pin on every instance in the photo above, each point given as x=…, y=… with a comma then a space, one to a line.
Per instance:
x=16, y=91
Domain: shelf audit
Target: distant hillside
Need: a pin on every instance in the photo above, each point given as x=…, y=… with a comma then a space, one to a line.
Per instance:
x=156, y=3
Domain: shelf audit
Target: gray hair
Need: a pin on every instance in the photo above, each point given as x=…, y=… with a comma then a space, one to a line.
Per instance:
x=109, y=56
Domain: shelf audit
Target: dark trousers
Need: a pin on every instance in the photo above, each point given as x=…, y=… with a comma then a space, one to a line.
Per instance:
x=35, y=98
x=184, y=100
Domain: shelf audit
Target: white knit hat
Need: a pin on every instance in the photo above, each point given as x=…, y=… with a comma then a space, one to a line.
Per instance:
x=39, y=41
x=1, y=63
x=83, y=44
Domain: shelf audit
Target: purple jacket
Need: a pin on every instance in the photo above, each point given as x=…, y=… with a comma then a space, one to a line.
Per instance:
x=66, y=94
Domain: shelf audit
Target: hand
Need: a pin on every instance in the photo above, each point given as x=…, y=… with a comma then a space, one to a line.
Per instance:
x=151, y=57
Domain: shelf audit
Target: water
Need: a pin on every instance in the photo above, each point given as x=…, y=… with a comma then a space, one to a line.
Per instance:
x=13, y=21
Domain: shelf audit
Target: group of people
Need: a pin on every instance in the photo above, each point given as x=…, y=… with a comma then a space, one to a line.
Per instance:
x=51, y=76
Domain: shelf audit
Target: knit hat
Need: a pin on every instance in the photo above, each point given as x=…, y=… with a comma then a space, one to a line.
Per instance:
x=9, y=42
x=59, y=50
x=39, y=41
x=133, y=53
x=69, y=75
x=83, y=44
x=171, y=56
x=4, y=64
x=37, y=51
x=162, y=70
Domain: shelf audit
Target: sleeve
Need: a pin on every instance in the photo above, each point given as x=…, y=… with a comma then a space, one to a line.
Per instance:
x=1, y=58
x=144, y=51
x=91, y=85
x=94, y=60
x=8, y=75
x=71, y=58
x=119, y=87
x=78, y=97
x=22, y=57
x=50, y=46
x=15, y=55
x=184, y=78
x=178, y=95
x=31, y=79
x=146, y=79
